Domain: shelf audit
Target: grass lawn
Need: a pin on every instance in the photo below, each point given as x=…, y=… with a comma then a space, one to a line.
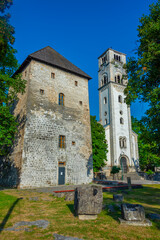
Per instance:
x=61, y=217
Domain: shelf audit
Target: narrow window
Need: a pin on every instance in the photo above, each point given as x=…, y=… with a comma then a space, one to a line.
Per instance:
x=105, y=113
x=61, y=141
x=105, y=121
x=105, y=100
x=61, y=99
x=80, y=102
x=119, y=58
x=114, y=56
x=120, y=98
x=76, y=83
x=52, y=75
x=73, y=142
x=105, y=79
x=121, y=112
x=120, y=142
x=124, y=142
x=119, y=79
x=121, y=121
x=41, y=91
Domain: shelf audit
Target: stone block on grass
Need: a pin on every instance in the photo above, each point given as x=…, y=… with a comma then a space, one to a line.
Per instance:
x=88, y=201
x=132, y=212
x=118, y=197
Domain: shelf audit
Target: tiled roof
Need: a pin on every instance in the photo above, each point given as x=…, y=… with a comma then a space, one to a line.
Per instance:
x=49, y=56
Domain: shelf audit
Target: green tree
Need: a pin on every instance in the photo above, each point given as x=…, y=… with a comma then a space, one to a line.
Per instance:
x=148, y=157
x=99, y=145
x=115, y=170
x=144, y=70
x=9, y=86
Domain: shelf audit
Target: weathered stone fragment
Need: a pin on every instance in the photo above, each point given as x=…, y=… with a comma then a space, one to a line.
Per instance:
x=118, y=197
x=132, y=212
x=88, y=200
x=19, y=226
x=69, y=196
x=61, y=237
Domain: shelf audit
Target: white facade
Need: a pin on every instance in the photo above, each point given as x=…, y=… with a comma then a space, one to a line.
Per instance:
x=115, y=113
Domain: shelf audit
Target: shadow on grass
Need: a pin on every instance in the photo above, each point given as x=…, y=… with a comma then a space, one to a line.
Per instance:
x=3, y=223
x=116, y=214
x=71, y=208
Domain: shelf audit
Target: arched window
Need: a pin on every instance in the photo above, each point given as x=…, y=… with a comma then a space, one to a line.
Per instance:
x=121, y=112
x=61, y=99
x=121, y=121
x=105, y=113
x=105, y=79
x=105, y=100
x=124, y=142
x=119, y=79
x=120, y=98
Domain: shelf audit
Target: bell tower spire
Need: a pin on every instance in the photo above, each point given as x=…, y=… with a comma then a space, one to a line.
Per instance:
x=114, y=112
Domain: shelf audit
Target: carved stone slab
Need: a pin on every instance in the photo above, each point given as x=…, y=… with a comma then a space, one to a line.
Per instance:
x=88, y=200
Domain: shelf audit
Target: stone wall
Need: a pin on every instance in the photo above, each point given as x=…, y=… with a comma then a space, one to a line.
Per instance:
x=46, y=120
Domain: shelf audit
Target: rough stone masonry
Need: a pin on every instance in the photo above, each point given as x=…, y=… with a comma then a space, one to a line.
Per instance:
x=54, y=141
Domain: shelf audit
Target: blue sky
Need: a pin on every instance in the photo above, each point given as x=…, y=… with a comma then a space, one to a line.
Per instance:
x=80, y=30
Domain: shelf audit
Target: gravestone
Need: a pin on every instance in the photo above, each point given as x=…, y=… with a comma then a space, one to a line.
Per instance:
x=133, y=214
x=88, y=201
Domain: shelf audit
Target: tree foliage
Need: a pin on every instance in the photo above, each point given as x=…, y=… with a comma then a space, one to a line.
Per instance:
x=99, y=146
x=9, y=86
x=148, y=157
x=115, y=170
x=5, y=4
x=144, y=70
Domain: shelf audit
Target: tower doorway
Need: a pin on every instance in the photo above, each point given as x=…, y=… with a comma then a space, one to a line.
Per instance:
x=124, y=166
x=61, y=176
x=61, y=173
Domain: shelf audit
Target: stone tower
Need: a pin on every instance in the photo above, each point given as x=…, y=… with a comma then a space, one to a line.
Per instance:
x=115, y=113
x=54, y=141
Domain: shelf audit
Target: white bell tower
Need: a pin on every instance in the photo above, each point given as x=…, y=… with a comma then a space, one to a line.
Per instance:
x=115, y=113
